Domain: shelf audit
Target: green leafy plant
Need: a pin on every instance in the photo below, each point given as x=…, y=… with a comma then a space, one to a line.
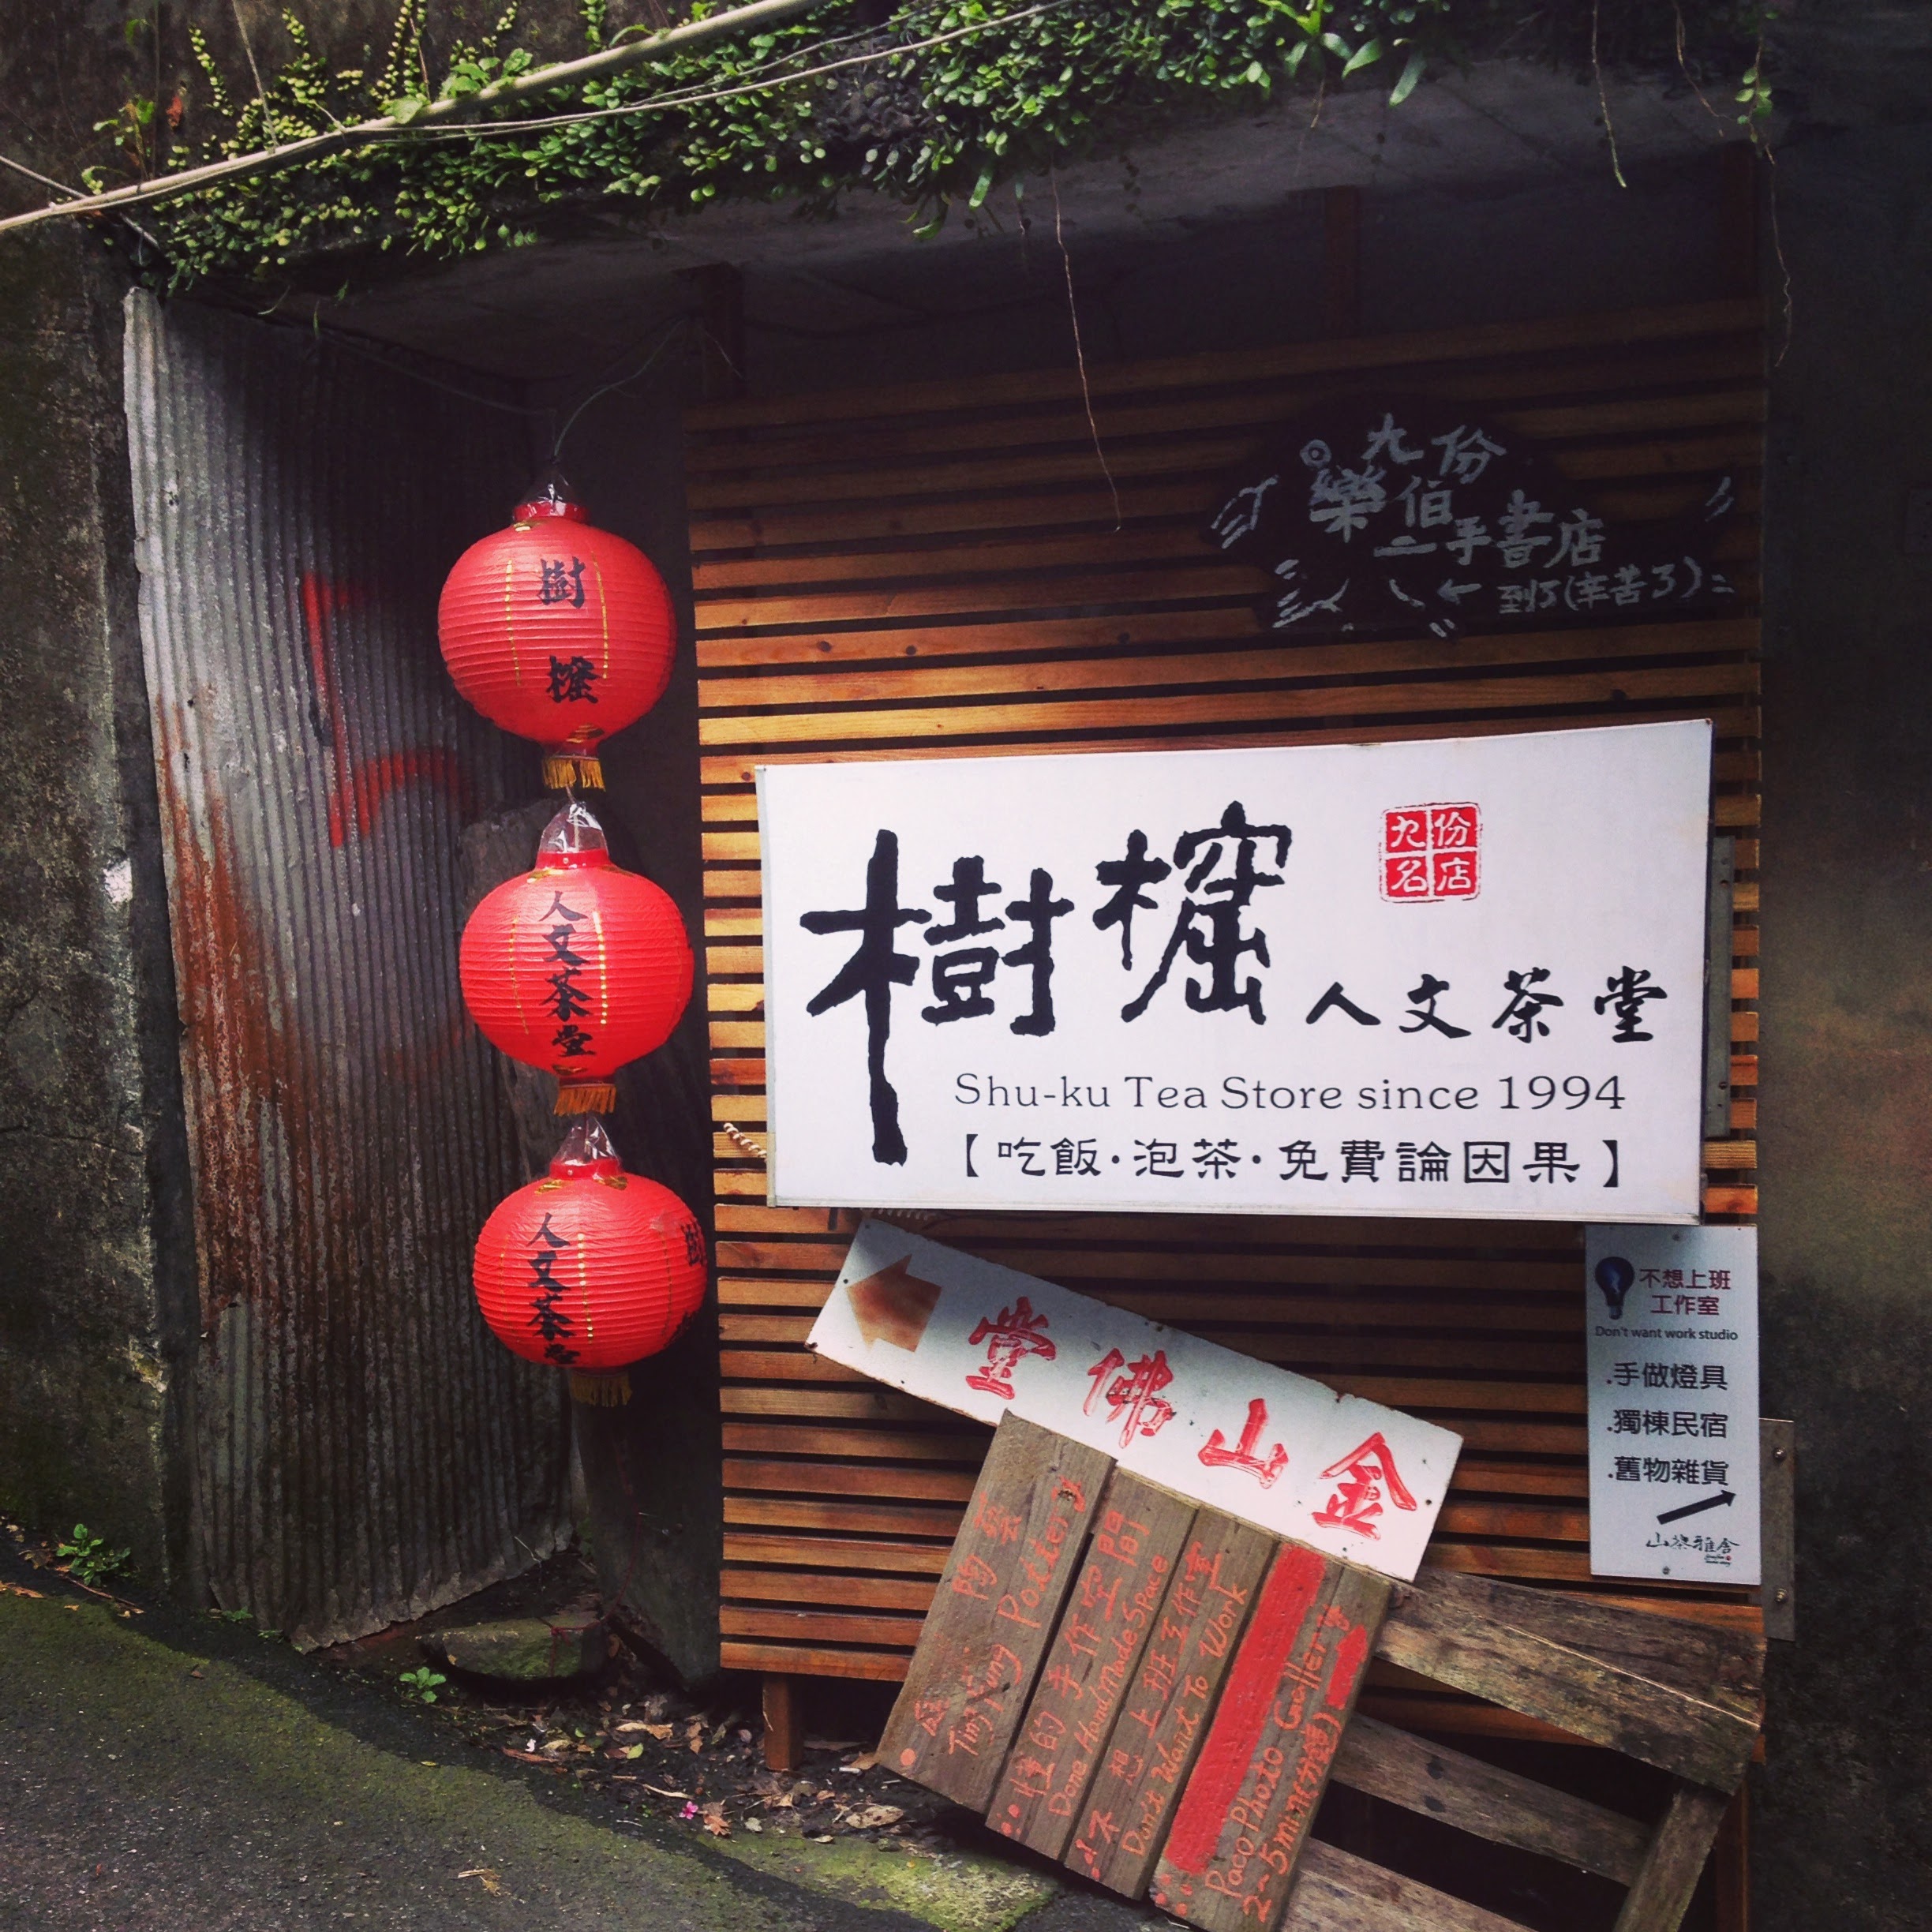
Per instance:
x=421, y=1683
x=88, y=1559
x=935, y=108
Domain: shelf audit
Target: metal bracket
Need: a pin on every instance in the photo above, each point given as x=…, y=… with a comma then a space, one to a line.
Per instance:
x=1777, y=1453
x=1717, y=989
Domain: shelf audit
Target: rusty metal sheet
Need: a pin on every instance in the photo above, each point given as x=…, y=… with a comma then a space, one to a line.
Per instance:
x=366, y=1449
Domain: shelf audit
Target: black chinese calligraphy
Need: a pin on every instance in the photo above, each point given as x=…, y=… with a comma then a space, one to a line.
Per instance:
x=1416, y=512
x=874, y=968
x=1220, y=883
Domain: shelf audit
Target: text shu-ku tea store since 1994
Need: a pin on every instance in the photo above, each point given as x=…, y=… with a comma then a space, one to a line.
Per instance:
x=1443, y=978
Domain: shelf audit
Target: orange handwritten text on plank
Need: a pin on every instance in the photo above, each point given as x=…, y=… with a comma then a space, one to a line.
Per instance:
x=1286, y=1598
x=1023, y=1603
x=1113, y=1599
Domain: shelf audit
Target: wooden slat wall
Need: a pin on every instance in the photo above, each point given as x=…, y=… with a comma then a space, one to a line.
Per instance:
x=938, y=570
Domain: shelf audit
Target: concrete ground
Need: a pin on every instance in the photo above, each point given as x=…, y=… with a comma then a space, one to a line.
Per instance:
x=175, y=1772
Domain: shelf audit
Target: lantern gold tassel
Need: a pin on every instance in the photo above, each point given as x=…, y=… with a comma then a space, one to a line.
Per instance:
x=561, y=771
x=601, y=1392
x=585, y=1097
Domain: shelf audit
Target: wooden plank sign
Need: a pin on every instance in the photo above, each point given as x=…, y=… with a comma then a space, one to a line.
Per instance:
x=1261, y=1773
x=1164, y=1715
x=1357, y=1479
x=999, y=1599
x=1137, y=1535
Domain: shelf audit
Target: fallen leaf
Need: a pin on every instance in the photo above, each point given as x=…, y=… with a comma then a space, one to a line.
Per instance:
x=488, y=1873
x=196, y=1673
x=863, y=1763
x=634, y=1750
x=752, y=1824
x=632, y=1726
x=874, y=1818
x=717, y=1827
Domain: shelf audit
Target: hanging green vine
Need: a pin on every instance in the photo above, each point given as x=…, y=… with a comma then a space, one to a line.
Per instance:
x=954, y=98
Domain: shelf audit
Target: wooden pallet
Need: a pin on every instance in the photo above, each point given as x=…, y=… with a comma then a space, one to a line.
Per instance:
x=1158, y=1696
x=938, y=570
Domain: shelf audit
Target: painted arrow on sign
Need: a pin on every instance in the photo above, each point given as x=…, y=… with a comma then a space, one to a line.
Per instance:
x=1697, y=1509
x=893, y=1305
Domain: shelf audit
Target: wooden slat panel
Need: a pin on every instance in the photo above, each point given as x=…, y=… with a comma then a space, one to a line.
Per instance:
x=1493, y=1803
x=888, y=549
x=1671, y=326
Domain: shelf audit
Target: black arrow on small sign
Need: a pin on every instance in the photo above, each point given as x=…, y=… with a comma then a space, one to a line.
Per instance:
x=1694, y=1509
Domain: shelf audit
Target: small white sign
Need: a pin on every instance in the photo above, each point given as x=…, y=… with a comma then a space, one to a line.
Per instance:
x=1673, y=1402
x=1455, y=977
x=1358, y=1480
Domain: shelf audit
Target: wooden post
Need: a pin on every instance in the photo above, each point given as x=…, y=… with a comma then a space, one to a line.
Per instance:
x=1732, y=1865
x=720, y=321
x=1342, y=261
x=782, y=1732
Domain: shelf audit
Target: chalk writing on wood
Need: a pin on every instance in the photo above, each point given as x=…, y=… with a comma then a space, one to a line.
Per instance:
x=999, y=1597
x=1411, y=512
x=1231, y=1852
x=1138, y=1534
x=1163, y=1714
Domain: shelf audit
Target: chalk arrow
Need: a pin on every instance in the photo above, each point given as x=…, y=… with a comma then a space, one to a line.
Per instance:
x=1696, y=1509
x=1454, y=592
x=893, y=1305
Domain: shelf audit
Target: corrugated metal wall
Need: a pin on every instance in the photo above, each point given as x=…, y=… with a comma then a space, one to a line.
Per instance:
x=366, y=1450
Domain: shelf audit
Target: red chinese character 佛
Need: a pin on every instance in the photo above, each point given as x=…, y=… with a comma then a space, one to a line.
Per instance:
x=1014, y=1333
x=1361, y=1478
x=1135, y=1393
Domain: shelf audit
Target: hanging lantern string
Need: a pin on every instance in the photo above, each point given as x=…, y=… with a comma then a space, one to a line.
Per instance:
x=670, y=331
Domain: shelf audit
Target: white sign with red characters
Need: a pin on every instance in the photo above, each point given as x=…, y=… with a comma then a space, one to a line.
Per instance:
x=1355, y=1479
x=1455, y=977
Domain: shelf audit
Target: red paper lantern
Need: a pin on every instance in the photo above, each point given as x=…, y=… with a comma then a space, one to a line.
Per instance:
x=592, y=1268
x=578, y=967
x=558, y=631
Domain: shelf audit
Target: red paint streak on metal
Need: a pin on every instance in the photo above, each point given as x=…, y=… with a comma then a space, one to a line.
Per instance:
x=1286, y=1598
x=359, y=788
x=1351, y=1654
x=238, y=1060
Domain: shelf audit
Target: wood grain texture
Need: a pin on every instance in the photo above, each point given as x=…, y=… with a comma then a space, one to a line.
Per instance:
x=1491, y=1803
x=1674, y=1860
x=1431, y=1632
x=1239, y=1829
x=1138, y=1532
x=876, y=574
x=1336, y=1892
x=999, y=1596
x=1163, y=1717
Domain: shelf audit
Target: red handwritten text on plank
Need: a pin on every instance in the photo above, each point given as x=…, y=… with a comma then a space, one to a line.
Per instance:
x=997, y=1605
x=1247, y=1808
x=1137, y=1535
x=1162, y=1714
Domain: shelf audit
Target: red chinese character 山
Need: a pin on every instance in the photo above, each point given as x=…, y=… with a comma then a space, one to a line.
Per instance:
x=1135, y=1393
x=1431, y=852
x=1265, y=1469
x=1014, y=1333
x=1361, y=1478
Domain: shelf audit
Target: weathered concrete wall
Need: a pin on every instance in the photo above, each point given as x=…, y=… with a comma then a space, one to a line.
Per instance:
x=1843, y=1833
x=96, y=1293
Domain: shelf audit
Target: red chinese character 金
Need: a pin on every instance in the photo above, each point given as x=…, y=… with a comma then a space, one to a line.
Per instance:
x=1135, y=1393
x=1014, y=1332
x=1431, y=852
x=1360, y=1477
x=1265, y=1469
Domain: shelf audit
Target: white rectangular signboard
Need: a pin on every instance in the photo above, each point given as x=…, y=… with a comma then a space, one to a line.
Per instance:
x=1359, y=1480
x=1673, y=1402
x=1463, y=976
